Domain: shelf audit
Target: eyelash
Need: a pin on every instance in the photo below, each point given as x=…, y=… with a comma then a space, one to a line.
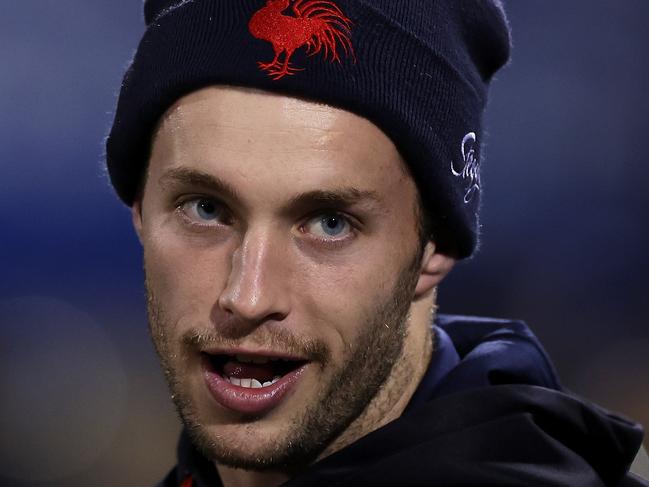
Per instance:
x=330, y=243
x=178, y=209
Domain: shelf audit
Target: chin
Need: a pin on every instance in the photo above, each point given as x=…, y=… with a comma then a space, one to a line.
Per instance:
x=254, y=446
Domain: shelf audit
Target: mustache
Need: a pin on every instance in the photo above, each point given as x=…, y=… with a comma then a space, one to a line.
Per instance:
x=278, y=340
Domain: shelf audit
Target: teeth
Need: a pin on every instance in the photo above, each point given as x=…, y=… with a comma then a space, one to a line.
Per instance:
x=252, y=383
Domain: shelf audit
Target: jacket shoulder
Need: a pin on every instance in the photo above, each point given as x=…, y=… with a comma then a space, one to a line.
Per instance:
x=171, y=480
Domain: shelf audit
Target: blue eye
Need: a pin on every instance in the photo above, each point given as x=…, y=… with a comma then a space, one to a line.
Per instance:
x=329, y=225
x=203, y=210
x=206, y=209
x=333, y=225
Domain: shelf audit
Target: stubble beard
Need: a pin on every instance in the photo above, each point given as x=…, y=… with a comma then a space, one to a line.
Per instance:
x=358, y=379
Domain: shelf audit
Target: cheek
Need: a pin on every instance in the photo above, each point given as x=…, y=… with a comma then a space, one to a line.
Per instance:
x=342, y=300
x=186, y=280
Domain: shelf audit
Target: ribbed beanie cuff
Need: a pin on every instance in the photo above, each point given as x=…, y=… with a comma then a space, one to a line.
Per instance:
x=418, y=69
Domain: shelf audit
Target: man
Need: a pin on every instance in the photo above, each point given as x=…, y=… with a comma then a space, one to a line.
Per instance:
x=302, y=175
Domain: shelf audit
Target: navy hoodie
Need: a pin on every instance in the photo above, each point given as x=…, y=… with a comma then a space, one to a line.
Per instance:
x=488, y=412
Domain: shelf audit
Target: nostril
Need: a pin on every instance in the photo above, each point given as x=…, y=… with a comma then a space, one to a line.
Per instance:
x=254, y=309
x=256, y=287
x=277, y=316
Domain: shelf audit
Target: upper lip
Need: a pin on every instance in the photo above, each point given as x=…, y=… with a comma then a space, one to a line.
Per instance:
x=257, y=353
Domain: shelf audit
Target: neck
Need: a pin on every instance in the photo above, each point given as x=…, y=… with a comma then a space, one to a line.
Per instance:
x=232, y=477
x=385, y=407
x=401, y=384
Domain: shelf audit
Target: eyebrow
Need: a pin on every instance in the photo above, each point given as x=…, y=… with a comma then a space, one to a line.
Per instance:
x=345, y=196
x=194, y=178
x=338, y=197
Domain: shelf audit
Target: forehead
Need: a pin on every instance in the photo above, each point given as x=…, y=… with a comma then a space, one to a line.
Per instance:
x=260, y=137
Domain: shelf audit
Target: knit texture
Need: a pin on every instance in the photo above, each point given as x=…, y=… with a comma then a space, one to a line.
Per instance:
x=418, y=69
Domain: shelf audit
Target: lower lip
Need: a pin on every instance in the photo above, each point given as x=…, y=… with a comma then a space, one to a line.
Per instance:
x=247, y=400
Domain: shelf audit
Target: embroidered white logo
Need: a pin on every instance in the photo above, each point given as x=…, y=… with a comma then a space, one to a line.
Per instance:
x=470, y=169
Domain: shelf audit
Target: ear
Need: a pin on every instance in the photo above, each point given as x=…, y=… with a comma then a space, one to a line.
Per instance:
x=434, y=267
x=136, y=218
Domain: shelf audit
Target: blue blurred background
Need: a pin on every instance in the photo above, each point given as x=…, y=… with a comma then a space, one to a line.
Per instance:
x=565, y=224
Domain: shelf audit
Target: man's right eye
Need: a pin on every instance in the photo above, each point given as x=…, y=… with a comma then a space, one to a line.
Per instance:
x=203, y=211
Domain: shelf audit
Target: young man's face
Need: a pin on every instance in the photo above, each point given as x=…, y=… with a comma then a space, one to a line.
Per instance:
x=275, y=228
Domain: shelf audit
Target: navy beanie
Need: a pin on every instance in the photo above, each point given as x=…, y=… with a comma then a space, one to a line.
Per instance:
x=418, y=69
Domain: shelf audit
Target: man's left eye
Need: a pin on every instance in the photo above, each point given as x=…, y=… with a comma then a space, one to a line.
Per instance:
x=328, y=226
x=203, y=210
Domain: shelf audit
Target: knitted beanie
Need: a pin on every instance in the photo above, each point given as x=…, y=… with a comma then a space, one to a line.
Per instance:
x=418, y=69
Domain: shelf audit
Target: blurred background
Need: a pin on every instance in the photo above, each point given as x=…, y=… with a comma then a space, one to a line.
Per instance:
x=565, y=225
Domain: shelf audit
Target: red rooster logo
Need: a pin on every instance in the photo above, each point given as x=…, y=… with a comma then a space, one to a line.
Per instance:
x=318, y=24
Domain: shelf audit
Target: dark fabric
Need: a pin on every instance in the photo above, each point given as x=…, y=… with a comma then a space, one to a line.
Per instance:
x=191, y=464
x=445, y=358
x=499, y=435
x=472, y=427
x=419, y=69
x=494, y=352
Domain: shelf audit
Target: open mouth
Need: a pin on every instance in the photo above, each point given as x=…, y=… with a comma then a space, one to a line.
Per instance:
x=250, y=371
x=251, y=384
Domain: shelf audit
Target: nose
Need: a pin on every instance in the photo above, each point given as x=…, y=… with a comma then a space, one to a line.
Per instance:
x=257, y=287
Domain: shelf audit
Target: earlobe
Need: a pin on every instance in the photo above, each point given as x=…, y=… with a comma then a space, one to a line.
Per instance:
x=434, y=267
x=136, y=218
